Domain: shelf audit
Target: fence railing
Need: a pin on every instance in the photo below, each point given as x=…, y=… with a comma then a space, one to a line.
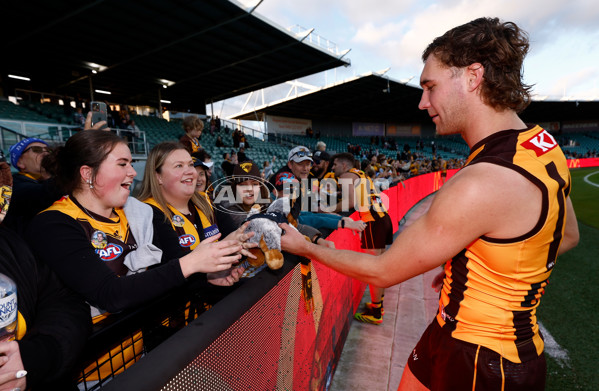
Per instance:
x=12, y=131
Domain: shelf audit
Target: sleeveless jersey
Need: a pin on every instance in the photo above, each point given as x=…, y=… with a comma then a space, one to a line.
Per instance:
x=492, y=288
x=111, y=238
x=369, y=202
x=189, y=233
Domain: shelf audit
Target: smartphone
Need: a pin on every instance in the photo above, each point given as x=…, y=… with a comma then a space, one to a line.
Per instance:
x=98, y=112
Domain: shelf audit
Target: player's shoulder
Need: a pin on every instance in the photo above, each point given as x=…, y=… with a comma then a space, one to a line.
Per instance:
x=489, y=184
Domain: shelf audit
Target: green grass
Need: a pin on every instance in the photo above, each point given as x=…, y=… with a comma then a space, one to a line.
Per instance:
x=569, y=308
x=585, y=197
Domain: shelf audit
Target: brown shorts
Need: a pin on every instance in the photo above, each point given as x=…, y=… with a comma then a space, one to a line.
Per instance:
x=443, y=363
x=378, y=233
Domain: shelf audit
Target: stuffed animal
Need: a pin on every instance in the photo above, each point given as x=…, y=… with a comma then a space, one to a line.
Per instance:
x=268, y=233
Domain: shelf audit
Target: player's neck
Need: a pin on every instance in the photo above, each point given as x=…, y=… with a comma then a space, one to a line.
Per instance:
x=489, y=121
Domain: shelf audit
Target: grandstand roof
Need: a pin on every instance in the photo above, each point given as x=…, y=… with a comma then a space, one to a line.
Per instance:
x=371, y=97
x=210, y=49
x=374, y=97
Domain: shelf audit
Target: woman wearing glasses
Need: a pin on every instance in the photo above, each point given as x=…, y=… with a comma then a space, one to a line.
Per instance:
x=299, y=162
x=33, y=188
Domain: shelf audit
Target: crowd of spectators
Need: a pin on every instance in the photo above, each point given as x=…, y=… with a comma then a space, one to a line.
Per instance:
x=175, y=200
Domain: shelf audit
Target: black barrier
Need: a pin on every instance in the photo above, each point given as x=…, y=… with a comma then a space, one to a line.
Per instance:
x=163, y=362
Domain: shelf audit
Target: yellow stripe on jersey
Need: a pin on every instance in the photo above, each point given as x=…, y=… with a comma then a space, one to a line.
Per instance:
x=367, y=199
x=181, y=223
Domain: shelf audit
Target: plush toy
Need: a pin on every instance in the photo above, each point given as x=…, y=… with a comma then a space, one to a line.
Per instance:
x=267, y=232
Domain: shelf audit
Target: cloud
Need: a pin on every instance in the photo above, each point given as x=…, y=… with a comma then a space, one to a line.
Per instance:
x=564, y=35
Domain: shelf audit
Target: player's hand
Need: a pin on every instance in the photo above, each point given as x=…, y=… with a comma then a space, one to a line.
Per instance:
x=292, y=241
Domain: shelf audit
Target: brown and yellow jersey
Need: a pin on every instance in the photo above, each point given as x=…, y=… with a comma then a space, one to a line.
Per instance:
x=111, y=238
x=189, y=230
x=369, y=203
x=492, y=288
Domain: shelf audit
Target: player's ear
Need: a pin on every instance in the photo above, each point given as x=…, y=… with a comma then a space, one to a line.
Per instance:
x=474, y=74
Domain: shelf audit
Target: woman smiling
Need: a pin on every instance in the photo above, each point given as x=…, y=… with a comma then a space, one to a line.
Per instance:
x=94, y=169
x=183, y=219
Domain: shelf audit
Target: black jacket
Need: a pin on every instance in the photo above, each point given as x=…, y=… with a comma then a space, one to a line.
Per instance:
x=57, y=319
x=29, y=197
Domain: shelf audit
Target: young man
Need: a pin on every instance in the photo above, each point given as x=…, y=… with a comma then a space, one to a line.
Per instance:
x=322, y=160
x=498, y=225
x=362, y=196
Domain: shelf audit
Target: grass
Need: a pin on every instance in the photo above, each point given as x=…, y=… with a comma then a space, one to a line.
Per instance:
x=569, y=308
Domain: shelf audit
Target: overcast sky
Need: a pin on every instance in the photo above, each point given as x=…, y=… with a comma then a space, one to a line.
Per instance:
x=564, y=35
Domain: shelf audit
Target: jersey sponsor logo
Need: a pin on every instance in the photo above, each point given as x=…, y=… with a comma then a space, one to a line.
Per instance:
x=540, y=143
x=187, y=240
x=110, y=252
x=211, y=231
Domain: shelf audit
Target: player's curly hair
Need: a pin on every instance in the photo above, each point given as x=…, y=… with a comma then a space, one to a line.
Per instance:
x=500, y=47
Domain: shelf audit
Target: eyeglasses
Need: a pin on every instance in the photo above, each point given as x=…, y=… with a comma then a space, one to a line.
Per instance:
x=37, y=149
x=303, y=153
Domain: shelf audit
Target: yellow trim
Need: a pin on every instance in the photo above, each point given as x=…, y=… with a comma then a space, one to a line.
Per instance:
x=116, y=360
x=502, y=374
x=21, y=326
x=188, y=226
x=475, y=368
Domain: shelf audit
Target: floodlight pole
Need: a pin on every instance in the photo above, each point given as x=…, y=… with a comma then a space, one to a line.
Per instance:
x=160, y=101
x=91, y=89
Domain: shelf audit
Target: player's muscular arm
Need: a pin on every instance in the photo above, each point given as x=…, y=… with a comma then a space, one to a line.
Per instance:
x=571, y=234
x=463, y=210
x=515, y=203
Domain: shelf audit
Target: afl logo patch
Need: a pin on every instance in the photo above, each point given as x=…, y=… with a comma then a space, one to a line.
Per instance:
x=186, y=240
x=110, y=252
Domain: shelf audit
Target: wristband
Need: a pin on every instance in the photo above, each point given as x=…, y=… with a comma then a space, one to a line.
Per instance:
x=342, y=223
x=315, y=240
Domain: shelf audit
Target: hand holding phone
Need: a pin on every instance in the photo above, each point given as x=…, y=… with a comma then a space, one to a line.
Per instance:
x=99, y=113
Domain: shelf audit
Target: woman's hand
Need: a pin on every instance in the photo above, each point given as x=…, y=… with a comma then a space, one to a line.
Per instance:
x=97, y=126
x=211, y=256
x=240, y=236
x=12, y=374
x=227, y=277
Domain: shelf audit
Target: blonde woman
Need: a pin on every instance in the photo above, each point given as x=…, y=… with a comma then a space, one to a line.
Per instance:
x=183, y=219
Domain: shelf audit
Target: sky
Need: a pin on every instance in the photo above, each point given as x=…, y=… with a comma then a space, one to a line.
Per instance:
x=563, y=61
